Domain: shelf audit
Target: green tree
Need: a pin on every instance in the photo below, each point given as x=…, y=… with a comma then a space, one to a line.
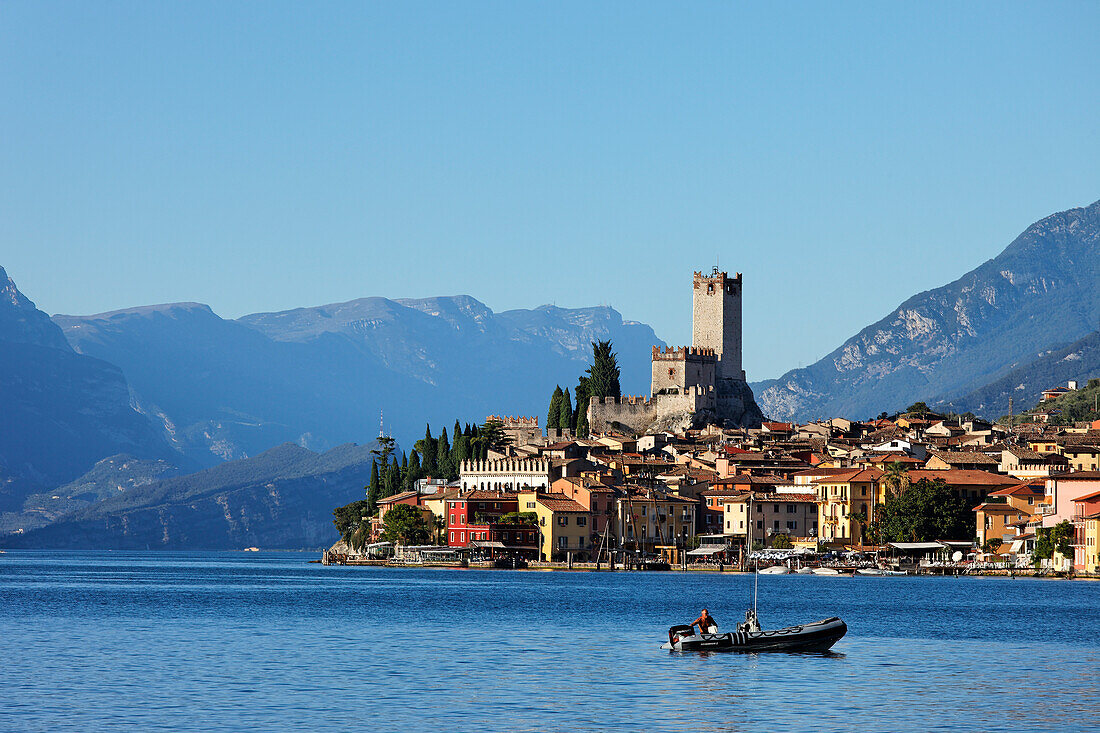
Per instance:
x=991, y=545
x=415, y=472
x=584, y=396
x=348, y=517
x=565, y=416
x=553, y=415
x=443, y=458
x=603, y=375
x=391, y=484
x=460, y=452
x=917, y=408
x=491, y=437
x=781, y=542
x=427, y=449
x=926, y=511
x=895, y=479
x=1051, y=540
x=374, y=489
x=405, y=525
x=386, y=447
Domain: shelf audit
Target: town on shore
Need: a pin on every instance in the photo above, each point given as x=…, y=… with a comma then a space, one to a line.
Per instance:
x=917, y=493
x=693, y=476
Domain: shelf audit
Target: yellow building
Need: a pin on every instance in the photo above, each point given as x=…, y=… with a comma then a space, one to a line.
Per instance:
x=1090, y=543
x=842, y=497
x=651, y=519
x=564, y=525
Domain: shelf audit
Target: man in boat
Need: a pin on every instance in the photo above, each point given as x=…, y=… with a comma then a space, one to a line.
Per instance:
x=706, y=623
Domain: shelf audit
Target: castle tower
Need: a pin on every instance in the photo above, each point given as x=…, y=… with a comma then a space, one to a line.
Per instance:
x=716, y=321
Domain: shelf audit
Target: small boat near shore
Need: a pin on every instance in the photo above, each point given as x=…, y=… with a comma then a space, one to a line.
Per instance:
x=775, y=570
x=826, y=571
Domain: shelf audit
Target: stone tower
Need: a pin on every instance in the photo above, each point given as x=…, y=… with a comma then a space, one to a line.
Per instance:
x=716, y=321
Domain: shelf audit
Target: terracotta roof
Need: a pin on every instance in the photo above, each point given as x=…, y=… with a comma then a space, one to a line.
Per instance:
x=965, y=457
x=825, y=471
x=996, y=508
x=856, y=474
x=1086, y=497
x=963, y=476
x=789, y=498
x=398, y=497
x=1025, y=489
x=483, y=495
x=559, y=503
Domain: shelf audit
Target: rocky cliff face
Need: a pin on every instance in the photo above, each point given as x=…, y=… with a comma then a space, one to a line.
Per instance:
x=1040, y=291
x=62, y=411
x=319, y=376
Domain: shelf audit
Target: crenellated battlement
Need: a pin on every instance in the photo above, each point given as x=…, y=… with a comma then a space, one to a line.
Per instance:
x=684, y=353
x=717, y=278
x=514, y=422
x=506, y=465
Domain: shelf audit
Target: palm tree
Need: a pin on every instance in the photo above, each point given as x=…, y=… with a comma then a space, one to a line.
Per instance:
x=896, y=479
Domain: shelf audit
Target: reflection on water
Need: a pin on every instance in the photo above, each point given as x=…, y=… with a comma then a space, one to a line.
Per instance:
x=200, y=641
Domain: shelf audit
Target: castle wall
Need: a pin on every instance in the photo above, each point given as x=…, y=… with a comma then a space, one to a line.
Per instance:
x=674, y=370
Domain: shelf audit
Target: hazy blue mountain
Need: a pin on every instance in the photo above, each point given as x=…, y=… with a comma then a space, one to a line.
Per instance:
x=62, y=411
x=107, y=479
x=320, y=376
x=1080, y=361
x=282, y=498
x=1040, y=291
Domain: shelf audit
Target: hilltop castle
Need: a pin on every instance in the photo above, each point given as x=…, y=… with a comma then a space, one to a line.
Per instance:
x=701, y=383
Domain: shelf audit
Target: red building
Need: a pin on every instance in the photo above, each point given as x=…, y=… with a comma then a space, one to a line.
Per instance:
x=473, y=520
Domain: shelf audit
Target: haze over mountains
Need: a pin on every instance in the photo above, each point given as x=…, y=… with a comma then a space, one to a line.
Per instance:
x=1040, y=293
x=222, y=389
x=103, y=413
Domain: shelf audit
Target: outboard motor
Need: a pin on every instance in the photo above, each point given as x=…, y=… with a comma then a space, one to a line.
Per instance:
x=678, y=632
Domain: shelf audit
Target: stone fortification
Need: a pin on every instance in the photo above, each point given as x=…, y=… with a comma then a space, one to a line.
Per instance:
x=692, y=385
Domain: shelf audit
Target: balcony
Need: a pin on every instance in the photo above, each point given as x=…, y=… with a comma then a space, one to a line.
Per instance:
x=1045, y=509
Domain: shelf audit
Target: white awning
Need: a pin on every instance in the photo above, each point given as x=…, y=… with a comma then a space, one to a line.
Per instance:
x=918, y=545
x=1017, y=546
x=707, y=550
x=487, y=545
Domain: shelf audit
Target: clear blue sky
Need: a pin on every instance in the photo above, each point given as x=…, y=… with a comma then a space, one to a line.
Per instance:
x=262, y=156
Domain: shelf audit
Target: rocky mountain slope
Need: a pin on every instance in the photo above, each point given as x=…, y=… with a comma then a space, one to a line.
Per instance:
x=1080, y=361
x=62, y=411
x=319, y=376
x=1040, y=291
x=282, y=498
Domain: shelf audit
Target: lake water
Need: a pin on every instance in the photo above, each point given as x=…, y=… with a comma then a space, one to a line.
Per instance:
x=231, y=641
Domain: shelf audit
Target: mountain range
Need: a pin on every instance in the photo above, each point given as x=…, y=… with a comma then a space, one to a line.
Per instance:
x=109, y=418
x=1039, y=294
x=281, y=498
x=221, y=389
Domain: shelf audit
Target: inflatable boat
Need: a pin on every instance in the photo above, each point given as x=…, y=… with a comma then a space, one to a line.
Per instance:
x=818, y=636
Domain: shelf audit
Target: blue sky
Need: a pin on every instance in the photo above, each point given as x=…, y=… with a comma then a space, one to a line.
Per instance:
x=262, y=156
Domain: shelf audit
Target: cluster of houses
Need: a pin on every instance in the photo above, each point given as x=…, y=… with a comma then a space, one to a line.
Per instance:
x=718, y=493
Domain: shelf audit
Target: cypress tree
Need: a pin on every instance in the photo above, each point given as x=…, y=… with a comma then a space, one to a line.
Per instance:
x=415, y=472
x=443, y=456
x=374, y=489
x=583, y=398
x=553, y=415
x=565, y=417
x=392, y=482
x=457, y=431
x=603, y=375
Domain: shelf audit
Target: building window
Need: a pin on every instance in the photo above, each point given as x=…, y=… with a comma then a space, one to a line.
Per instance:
x=461, y=536
x=530, y=505
x=452, y=536
x=563, y=542
x=792, y=525
x=582, y=521
x=760, y=524
x=776, y=524
x=791, y=509
x=452, y=519
x=563, y=521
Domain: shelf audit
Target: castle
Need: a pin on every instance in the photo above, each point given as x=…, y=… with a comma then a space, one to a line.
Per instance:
x=697, y=384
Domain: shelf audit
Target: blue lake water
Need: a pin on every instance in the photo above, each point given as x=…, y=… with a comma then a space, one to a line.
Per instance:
x=228, y=641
